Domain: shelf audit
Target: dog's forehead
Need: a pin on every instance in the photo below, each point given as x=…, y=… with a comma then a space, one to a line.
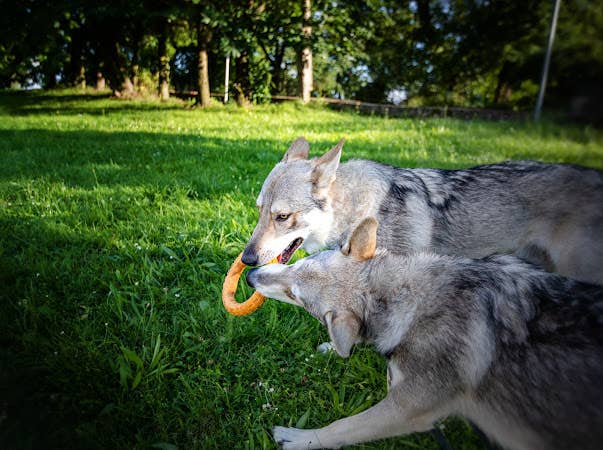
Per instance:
x=321, y=261
x=286, y=183
x=273, y=269
x=323, y=257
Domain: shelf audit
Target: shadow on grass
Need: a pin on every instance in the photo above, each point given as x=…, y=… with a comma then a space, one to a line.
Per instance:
x=70, y=102
x=45, y=398
x=21, y=103
x=87, y=159
x=60, y=336
x=35, y=415
x=205, y=166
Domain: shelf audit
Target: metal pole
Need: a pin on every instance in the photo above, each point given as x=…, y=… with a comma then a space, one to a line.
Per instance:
x=226, y=74
x=547, y=60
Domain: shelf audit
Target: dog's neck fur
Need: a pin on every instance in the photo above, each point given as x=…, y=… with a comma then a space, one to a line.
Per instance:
x=358, y=184
x=409, y=283
x=399, y=282
x=363, y=189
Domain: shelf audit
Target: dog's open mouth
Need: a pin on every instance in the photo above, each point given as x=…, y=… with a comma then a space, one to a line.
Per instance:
x=284, y=257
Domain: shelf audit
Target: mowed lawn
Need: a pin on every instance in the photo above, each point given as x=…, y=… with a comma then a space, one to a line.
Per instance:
x=118, y=222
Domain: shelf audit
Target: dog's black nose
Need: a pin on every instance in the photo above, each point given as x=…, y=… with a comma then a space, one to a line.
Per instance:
x=249, y=258
x=250, y=277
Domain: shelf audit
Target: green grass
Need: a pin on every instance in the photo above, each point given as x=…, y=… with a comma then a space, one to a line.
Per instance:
x=118, y=221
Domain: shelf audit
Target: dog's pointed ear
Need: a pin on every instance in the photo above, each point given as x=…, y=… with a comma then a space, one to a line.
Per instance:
x=344, y=330
x=325, y=168
x=298, y=150
x=363, y=242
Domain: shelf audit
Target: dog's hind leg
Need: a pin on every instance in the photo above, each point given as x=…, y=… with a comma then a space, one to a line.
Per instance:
x=385, y=419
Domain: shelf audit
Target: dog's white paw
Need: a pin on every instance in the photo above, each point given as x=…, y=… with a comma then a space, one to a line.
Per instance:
x=325, y=347
x=294, y=438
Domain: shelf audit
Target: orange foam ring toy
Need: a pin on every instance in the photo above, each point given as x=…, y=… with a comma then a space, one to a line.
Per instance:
x=230, y=287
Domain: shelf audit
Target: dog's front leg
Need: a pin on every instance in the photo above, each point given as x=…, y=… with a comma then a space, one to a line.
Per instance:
x=385, y=419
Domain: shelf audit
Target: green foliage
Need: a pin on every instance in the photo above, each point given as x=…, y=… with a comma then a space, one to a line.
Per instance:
x=260, y=79
x=118, y=221
x=486, y=53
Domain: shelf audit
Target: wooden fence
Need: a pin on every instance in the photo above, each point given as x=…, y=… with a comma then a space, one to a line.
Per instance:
x=393, y=110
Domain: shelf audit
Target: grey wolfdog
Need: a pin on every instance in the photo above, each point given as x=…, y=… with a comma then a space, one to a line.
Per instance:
x=548, y=214
x=514, y=349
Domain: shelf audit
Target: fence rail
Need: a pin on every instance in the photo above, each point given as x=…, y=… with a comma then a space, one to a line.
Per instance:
x=392, y=110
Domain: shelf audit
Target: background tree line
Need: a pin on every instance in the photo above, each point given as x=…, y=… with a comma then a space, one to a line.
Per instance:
x=420, y=52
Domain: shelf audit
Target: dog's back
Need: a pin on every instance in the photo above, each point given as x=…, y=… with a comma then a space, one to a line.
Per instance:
x=535, y=338
x=549, y=214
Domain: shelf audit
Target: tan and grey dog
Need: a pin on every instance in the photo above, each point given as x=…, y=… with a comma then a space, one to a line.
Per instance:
x=514, y=349
x=549, y=214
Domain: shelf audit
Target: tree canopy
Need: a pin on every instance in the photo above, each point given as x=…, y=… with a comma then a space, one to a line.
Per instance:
x=420, y=52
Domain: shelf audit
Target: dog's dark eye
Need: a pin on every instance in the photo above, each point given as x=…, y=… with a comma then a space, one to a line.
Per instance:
x=282, y=217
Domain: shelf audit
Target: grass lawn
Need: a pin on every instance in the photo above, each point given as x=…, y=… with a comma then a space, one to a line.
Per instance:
x=118, y=222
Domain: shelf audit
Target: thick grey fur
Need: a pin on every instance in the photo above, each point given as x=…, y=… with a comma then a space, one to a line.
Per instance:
x=514, y=349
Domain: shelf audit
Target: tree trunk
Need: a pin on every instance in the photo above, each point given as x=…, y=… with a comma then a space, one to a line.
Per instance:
x=50, y=79
x=127, y=87
x=277, y=71
x=100, y=81
x=164, y=67
x=204, y=36
x=304, y=60
x=242, y=84
x=81, y=78
x=76, y=65
x=424, y=14
x=134, y=76
x=501, y=85
x=134, y=69
x=115, y=68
